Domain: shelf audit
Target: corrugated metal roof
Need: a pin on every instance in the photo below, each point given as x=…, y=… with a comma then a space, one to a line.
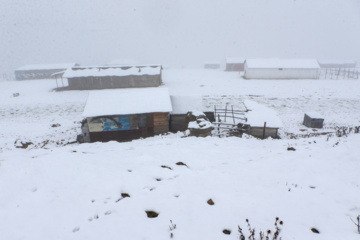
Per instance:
x=282, y=63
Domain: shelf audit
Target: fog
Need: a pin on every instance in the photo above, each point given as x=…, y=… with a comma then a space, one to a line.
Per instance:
x=179, y=33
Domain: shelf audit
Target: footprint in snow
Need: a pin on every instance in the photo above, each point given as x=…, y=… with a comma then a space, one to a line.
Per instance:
x=108, y=212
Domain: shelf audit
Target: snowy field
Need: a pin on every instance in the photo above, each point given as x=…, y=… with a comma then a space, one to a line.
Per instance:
x=56, y=189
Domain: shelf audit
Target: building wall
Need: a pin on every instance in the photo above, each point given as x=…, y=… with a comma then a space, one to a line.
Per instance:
x=235, y=67
x=126, y=127
x=280, y=73
x=110, y=82
x=161, y=123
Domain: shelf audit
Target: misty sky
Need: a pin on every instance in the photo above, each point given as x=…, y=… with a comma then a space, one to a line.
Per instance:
x=175, y=32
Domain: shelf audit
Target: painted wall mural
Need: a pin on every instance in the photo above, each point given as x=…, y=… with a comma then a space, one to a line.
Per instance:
x=109, y=123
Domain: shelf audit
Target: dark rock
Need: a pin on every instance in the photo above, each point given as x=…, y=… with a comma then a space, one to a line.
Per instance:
x=227, y=231
x=314, y=230
x=152, y=214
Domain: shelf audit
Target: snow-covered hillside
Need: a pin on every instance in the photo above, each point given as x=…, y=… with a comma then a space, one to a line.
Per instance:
x=55, y=189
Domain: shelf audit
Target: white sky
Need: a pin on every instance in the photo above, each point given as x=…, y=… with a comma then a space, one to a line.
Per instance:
x=175, y=32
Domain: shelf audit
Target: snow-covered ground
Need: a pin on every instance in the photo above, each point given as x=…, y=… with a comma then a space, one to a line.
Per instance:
x=55, y=189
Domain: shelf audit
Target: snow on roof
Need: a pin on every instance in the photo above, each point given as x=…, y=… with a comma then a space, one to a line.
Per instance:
x=340, y=62
x=314, y=115
x=260, y=114
x=282, y=63
x=127, y=101
x=184, y=104
x=46, y=66
x=111, y=71
x=235, y=60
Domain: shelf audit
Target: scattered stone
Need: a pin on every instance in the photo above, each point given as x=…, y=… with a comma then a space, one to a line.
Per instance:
x=108, y=212
x=55, y=125
x=291, y=149
x=227, y=231
x=158, y=179
x=152, y=214
x=163, y=166
x=312, y=187
x=125, y=195
x=181, y=164
x=210, y=202
x=76, y=229
x=314, y=230
x=22, y=145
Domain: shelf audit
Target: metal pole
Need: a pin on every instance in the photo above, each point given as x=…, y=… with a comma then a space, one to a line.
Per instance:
x=57, y=86
x=232, y=109
x=264, y=130
x=225, y=112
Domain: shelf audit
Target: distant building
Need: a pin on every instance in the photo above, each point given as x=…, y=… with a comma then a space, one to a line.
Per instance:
x=337, y=63
x=281, y=69
x=235, y=64
x=108, y=77
x=41, y=71
x=125, y=114
x=212, y=65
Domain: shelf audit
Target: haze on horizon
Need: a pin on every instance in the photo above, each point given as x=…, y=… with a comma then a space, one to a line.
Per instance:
x=179, y=33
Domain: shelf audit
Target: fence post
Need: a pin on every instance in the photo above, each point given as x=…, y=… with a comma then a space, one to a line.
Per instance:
x=264, y=130
x=232, y=109
x=225, y=113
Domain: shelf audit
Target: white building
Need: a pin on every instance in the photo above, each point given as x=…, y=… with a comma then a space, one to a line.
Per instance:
x=281, y=69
